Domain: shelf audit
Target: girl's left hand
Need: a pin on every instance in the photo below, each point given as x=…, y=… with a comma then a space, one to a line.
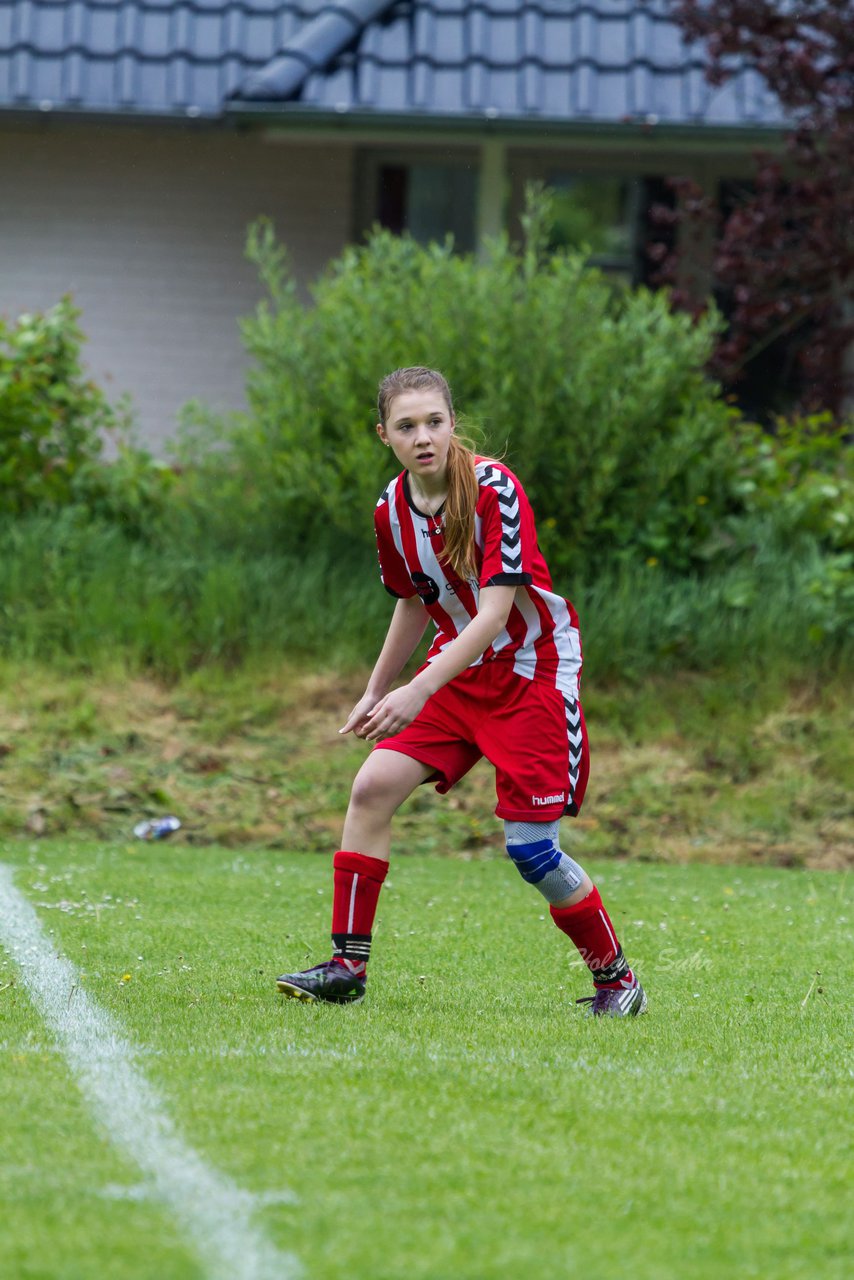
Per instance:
x=392, y=713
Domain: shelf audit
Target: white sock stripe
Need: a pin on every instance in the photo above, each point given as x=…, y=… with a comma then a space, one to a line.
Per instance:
x=212, y=1211
x=352, y=910
x=604, y=920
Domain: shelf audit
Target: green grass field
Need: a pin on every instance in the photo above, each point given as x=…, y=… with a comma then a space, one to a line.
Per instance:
x=467, y=1122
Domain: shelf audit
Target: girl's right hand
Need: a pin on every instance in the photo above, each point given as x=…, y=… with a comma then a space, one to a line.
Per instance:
x=360, y=714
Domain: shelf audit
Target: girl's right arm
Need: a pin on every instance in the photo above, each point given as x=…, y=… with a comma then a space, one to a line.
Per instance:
x=405, y=630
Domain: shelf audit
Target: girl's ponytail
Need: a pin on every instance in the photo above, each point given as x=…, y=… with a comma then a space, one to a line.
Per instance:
x=460, y=507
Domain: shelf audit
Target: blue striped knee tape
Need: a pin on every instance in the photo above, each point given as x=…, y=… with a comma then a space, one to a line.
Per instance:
x=534, y=849
x=534, y=860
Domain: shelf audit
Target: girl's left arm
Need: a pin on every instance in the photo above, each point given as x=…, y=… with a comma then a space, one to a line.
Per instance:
x=400, y=707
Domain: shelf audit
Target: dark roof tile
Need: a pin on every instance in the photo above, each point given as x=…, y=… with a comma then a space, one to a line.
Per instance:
x=155, y=86
x=208, y=36
x=559, y=40
x=48, y=25
x=390, y=40
x=100, y=82
x=102, y=33
x=615, y=94
x=259, y=36
x=590, y=60
x=449, y=42
x=155, y=34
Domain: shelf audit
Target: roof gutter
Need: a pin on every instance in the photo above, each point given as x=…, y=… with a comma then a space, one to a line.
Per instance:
x=288, y=120
x=289, y=117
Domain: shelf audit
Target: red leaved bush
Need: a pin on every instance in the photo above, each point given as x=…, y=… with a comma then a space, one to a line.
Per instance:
x=784, y=258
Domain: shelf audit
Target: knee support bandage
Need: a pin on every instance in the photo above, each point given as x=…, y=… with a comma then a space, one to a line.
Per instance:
x=534, y=848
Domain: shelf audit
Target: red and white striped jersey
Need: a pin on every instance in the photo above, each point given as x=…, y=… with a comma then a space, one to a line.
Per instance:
x=541, y=638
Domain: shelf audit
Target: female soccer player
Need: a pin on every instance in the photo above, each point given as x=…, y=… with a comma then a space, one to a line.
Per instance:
x=458, y=545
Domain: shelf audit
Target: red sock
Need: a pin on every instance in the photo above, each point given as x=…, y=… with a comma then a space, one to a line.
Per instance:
x=589, y=926
x=358, y=879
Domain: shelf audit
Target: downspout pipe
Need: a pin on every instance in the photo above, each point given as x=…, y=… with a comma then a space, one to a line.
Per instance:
x=312, y=49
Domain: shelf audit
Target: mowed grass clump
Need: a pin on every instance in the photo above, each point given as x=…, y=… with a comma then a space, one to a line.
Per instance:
x=718, y=768
x=467, y=1120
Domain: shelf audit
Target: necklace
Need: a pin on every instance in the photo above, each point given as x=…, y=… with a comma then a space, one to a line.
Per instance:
x=425, y=505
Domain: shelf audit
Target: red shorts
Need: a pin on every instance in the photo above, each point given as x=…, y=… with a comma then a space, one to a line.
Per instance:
x=533, y=734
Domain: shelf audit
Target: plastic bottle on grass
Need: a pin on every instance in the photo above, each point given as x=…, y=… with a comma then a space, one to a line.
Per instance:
x=156, y=828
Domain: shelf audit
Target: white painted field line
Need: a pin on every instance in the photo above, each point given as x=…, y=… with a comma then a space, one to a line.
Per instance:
x=211, y=1210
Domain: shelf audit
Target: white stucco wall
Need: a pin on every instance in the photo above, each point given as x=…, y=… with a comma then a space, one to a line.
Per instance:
x=146, y=229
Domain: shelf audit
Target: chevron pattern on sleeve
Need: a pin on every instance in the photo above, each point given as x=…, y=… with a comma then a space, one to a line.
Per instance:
x=511, y=517
x=574, y=738
x=387, y=492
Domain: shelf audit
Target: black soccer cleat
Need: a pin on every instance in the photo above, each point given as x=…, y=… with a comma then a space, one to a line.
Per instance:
x=616, y=1002
x=331, y=982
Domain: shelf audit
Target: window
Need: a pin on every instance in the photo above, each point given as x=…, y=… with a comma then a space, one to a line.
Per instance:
x=430, y=197
x=600, y=213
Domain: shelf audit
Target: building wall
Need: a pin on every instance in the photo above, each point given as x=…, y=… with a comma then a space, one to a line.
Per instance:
x=146, y=229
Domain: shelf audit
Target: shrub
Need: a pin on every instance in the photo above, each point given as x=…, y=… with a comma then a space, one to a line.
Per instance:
x=52, y=418
x=134, y=490
x=685, y=535
x=596, y=394
x=54, y=423
x=800, y=479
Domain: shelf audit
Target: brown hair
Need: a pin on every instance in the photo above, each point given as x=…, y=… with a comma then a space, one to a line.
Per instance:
x=462, y=482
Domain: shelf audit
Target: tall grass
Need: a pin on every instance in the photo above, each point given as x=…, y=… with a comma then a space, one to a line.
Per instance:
x=71, y=589
x=760, y=618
